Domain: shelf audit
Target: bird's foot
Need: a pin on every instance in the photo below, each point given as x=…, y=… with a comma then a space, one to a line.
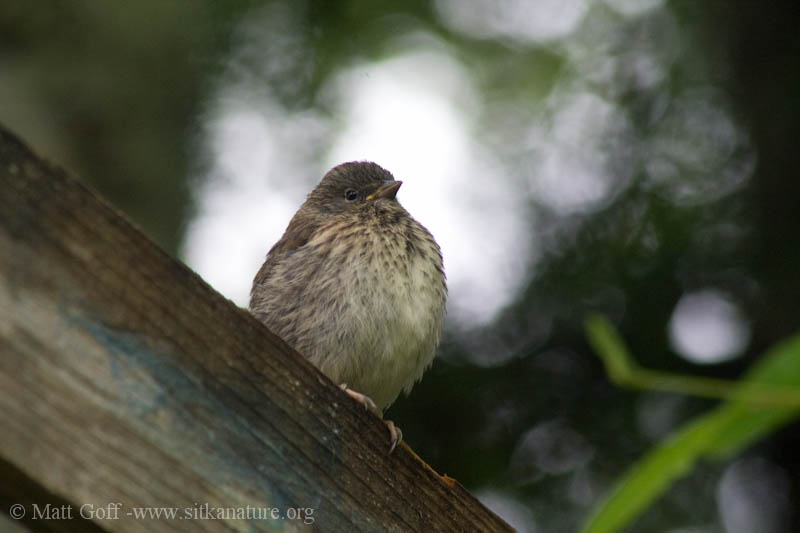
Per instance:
x=363, y=399
x=395, y=434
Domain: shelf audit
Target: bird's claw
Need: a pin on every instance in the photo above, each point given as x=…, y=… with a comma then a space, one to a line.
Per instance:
x=363, y=399
x=395, y=435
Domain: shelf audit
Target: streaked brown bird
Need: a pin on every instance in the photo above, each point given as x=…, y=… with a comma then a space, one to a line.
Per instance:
x=357, y=286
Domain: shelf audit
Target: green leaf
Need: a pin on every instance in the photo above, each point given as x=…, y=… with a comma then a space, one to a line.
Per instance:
x=765, y=399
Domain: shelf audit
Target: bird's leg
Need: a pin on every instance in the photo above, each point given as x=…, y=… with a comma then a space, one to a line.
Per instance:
x=395, y=435
x=363, y=399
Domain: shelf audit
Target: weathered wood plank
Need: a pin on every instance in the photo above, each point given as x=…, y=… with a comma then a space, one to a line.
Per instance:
x=124, y=378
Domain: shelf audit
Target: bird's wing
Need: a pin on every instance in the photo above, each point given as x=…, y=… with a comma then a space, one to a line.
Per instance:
x=296, y=235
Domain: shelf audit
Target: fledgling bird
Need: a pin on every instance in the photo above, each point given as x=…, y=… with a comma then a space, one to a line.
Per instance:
x=357, y=286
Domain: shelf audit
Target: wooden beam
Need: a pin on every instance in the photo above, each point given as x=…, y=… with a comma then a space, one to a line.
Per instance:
x=125, y=379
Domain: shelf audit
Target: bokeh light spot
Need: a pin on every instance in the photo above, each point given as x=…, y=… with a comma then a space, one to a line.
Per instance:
x=707, y=327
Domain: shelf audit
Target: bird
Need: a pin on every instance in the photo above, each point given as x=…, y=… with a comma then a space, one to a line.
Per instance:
x=357, y=286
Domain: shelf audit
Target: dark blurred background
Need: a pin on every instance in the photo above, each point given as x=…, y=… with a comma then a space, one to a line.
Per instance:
x=638, y=158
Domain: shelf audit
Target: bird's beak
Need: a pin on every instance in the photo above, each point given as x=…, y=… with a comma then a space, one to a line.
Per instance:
x=387, y=190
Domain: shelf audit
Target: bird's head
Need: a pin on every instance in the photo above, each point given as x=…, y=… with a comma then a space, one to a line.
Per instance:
x=353, y=188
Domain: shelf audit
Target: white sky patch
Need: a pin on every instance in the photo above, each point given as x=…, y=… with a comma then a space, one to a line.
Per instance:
x=579, y=153
x=257, y=178
x=408, y=114
x=634, y=7
x=520, y=20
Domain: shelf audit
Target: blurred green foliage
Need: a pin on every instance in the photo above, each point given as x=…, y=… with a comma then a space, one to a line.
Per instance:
x=116, y=92
x=767, y=397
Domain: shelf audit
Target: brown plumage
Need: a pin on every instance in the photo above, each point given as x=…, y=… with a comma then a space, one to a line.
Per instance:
x=356, y=285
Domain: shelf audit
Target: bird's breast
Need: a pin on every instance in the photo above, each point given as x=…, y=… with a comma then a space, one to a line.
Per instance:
x=391, y=302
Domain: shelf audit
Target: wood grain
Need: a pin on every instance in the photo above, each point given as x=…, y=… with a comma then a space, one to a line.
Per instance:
x=124, y=378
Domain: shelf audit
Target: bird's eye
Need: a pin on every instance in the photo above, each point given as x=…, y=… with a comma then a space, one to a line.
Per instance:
x=350, y=195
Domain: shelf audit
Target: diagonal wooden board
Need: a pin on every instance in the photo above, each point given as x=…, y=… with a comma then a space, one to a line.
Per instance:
x=125, y=379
